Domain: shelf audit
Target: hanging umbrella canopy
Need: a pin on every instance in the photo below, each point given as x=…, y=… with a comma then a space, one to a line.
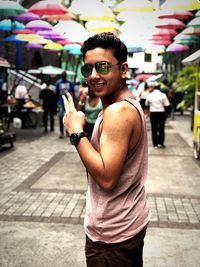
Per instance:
x=174, y=24
x=53, y=46
x=101, y=26
x=34, y=46
x=195, y=23
x=34, y=38
x=180, y=5
x=174, y=47
x=179, y=14
x=191, y=31
x=12, y=38
x=48, y=8
x=4, y=62
x=27, y=16
x=38, y=25
x=165, y=33
x=9, y=25
x=50, y=70
x=67, y=16
x=139, y=6
x=10, y=8
x=24, y=31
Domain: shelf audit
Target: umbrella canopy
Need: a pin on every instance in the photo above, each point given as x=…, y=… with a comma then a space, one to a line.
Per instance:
x=48, y=8
x=101, y=26
x=34, y=46
x=165, y=33
x=38, y=25
x=54, y=46
x=180, y=5
x=191, y=31
x=9, y=25
x=67, y=16
x=179, y=14
x=49, y=70
x=12, y=38
x=174, y=24
x=10, y=8
x=139, y=6
x=174, y=47
x=24, y=31
x=4, y=62
x=27, y=16
x=195, y=23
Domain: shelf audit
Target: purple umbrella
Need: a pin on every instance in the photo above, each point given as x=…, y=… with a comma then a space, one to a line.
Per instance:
x=38, y=25
x=33, y=45
x=28, y=16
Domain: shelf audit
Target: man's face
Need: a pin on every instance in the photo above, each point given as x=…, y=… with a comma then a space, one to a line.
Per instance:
x=103, y=84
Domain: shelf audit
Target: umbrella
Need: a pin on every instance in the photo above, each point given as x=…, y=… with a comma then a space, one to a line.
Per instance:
x=101, y=26
x=53, y=46
x=24, y=31
x=191, y=31
x=4, y=62
x=67, y=16
x=71, y=30
x=27, y=16
x=37, y=25
x=174, y=24
x=154, y=49
x=180, y=5
x=9, y=25
x=162, y=42
x=179, y=14
x=33, y=45
x=13, y=39
x=34, y=38
x=174, y=47
x=73, y=49
x=10, y=8
x=50, y=70
x=165, y=33
x=48, y=8
x=195, y=23
x=139, y=6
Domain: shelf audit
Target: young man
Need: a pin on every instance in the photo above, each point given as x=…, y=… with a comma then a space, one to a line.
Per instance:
x=117, y=214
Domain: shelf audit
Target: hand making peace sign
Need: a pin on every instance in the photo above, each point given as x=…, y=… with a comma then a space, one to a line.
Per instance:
x=73, y=120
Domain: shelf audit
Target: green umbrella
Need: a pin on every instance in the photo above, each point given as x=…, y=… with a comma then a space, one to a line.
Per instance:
x=10, y=8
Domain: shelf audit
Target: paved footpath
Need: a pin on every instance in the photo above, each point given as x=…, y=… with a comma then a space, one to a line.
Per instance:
x=42, y=201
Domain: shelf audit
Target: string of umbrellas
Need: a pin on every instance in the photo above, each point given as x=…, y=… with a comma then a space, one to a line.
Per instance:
x=144, y=27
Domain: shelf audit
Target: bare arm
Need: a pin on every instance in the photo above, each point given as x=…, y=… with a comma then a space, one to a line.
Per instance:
x=117, y=137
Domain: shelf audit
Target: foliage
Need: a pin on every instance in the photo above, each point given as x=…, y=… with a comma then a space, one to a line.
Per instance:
x=185, y=83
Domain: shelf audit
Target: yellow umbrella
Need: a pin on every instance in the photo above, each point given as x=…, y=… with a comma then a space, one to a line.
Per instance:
x=139, y=6
x=99, y=12
x=181, y=5
x=53, y=46
x=34, y=38
x=101, y=26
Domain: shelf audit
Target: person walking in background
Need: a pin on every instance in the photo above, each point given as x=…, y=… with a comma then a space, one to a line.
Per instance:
x=63, y=85
x=116, y=158
x=91, y=105
x=159, y=108
x=49, y=105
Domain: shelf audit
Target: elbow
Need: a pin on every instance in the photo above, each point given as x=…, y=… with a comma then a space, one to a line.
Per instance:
x=107, y=186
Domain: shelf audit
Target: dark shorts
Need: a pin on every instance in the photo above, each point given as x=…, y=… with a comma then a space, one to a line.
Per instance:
x=125, y=254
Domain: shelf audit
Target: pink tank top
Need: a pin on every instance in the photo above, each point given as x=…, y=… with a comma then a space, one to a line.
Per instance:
x=120, y=214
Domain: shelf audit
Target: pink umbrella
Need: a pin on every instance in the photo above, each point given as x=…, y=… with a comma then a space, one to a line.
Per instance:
x=164, y=42
x=38, y=25
x=175, y=15
x=165, y=33
x=48, y=8
x=177, y=48
x=34, y=46
x=174, y=24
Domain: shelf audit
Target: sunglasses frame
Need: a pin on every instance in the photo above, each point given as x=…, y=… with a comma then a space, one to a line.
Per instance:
x=108, y=66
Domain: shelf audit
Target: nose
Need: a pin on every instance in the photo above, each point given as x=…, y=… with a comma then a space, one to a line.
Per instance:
x=94, y=73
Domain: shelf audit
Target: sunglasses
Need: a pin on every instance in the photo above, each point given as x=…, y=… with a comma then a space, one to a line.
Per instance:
x=102, y=67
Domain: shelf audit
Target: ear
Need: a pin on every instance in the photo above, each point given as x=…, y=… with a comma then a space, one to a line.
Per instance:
x=124, y=69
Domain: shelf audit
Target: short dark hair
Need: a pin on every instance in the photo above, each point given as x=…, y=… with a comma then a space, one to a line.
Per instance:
x=106, y=40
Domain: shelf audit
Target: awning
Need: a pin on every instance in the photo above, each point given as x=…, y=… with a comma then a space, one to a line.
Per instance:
x=192, y=59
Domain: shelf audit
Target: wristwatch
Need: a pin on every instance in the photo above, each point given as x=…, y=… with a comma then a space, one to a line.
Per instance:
x=76, y=137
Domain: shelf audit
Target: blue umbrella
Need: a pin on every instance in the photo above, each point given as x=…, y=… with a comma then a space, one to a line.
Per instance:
x=10, y=8
x=12, y=38
x=10, y=25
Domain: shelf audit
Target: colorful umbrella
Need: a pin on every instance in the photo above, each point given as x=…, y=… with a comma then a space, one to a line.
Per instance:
x=195, y=23
x=173, y=24
x=191, y=31
x=38, y=25
x=180, y=5
x=9, y=25
x=27, y=16
x=53, y=46
x=34, y=46
x=182, y=15
x=139, y=6
x=48, y=8
x=101, y=26
x=165, y=33
x=34, y=38
x=67, y=16
x=174, y=47
x=24, y=31
x=12, y=38
x=10, y=8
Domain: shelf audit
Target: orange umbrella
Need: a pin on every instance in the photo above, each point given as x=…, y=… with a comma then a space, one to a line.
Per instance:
x=47, y=8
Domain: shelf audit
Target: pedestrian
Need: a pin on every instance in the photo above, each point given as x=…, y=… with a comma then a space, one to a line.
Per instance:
x=91, y=105
x=63, y=85
x=48, y=97
x=159, y=108
x=116, y=158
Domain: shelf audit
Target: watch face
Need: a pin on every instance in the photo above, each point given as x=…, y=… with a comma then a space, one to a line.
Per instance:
x=74, y=139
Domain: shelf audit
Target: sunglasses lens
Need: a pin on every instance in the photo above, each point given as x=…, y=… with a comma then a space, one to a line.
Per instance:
x=102, y=67
x=86, y=70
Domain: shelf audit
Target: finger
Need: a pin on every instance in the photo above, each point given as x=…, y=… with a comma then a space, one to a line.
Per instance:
x=70, y=102
x=66, y=104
